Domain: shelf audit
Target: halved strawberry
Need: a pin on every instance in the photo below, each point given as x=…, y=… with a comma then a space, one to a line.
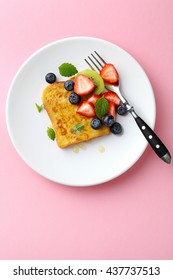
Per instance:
x=86, y=109
x=112, y=110
x=93, y=98
x=83, y=85
x=109, y=74
x=112, y=97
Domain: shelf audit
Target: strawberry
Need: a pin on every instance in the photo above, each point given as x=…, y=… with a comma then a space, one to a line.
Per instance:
x=86, y=109
x=112, y=110
x=112, y=97
x=83, y=85
x=109, y=74
x=93, y=98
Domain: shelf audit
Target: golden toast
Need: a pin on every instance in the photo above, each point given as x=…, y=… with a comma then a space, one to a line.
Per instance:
x=64, y=117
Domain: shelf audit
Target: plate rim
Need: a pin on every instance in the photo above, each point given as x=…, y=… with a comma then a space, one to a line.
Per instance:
x=20, y=70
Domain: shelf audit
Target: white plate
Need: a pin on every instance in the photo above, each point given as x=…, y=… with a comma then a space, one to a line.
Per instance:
x=27, y=127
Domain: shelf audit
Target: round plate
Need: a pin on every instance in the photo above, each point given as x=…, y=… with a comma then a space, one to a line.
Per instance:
x=27, y=128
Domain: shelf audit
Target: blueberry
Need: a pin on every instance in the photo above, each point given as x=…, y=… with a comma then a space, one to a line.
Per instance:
x=74, y=98
x=116, y=128
x=69, y=85
x=96, y=123
x=121, y=110
x=108, y=120
x=50, y=78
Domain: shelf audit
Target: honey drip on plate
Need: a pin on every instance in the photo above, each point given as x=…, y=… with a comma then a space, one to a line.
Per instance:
x=82, y=146
x=101, y=149
x=75, y=149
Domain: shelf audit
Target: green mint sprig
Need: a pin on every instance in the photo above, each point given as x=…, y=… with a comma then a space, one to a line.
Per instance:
x=78, y=127
x=51, y=133
x=101, y=107
x=67, y=69
x=39, y=107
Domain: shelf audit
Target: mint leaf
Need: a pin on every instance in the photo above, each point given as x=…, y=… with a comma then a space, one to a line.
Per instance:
x=101, y=107
x=67, y=69
x=51, y=133
x=39, y=107
x=78, y=127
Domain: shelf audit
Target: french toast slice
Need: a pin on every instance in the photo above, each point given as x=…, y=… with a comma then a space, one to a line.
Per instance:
x=64, y=117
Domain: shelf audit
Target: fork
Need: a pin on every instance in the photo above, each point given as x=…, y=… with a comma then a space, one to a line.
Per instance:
x=96, y=63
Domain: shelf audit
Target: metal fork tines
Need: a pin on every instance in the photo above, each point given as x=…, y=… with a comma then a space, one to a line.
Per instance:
x=96, y=63
x=99, y=65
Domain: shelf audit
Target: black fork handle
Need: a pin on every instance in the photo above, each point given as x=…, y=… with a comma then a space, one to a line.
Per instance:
x=154, y=141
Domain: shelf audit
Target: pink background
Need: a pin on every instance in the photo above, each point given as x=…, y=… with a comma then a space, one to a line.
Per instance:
x=130, y=217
